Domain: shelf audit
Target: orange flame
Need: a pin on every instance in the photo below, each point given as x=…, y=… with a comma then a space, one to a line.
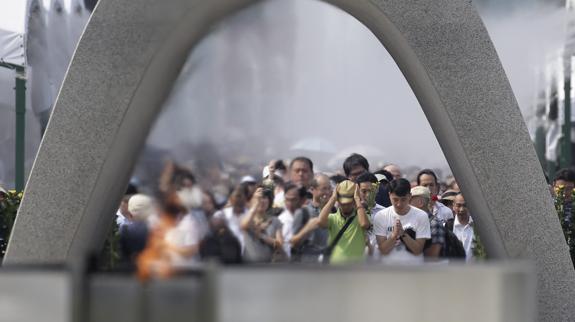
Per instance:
x=154, y=261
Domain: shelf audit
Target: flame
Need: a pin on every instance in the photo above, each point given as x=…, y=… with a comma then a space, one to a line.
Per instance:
x=154, y=261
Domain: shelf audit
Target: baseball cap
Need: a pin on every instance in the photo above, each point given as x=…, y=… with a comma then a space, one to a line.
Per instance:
x=380, y=177
x=345, y=191
x=420, y=191
x=449, y=195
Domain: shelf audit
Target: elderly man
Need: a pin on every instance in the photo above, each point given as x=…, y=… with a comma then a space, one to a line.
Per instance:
x=309, y=240
x=394, y=170
x=421, y=198
x=463, y=226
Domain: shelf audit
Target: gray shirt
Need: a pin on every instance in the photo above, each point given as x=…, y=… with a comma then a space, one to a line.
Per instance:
x=316, y=242
x=255, y=249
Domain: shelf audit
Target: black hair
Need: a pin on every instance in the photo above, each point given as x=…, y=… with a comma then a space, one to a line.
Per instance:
x=337, y=178
x=301, y=191
x=447, y=203
x=399, y=187
x=450, y=193
x=181, y=174
x=565, y=174
x=278, y=181
x=302, y=159
x=280, y=165
x=269, y=194
x=131, y=189
x=428, y=172
x=212, y=199
x=353, y=161
x=366, y=177
x=247, y=190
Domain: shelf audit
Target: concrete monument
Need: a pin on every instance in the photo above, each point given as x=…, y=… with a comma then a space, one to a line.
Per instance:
x=132, y=51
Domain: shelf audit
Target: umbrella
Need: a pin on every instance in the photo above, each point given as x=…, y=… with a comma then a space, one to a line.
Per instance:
x=314, y=144
x=371, y=153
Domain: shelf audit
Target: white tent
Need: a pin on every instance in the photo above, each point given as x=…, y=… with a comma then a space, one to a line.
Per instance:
x=12, y=28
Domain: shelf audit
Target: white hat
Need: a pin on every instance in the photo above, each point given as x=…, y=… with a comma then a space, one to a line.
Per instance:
x=266, y=172
x=421, y=191
x=249, y=179
x=141, y=206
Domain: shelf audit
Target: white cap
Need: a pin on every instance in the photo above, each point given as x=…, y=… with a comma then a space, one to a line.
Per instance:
x=248, y=179
x=266, y=172
x=141, y=206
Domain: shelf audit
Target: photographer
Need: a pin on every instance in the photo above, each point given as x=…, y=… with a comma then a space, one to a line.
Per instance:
x=262, y=232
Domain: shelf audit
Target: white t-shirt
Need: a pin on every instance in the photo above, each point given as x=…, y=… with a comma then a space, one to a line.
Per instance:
x=185, y=234
x=415, y=219
x=233, y=222
x=371, y=234
x=286, y=218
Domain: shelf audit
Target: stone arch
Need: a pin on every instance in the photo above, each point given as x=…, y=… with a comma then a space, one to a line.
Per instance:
x=132, y=51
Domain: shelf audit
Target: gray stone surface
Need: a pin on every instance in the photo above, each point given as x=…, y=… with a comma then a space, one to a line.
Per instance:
x=35, y=295
x=132, y=51
x=124, y=67
x=501, y=293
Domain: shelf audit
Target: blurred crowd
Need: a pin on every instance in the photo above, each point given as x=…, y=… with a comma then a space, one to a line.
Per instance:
x=287, y=212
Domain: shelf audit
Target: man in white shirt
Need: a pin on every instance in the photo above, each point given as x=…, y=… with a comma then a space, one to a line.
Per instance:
x=401, y=230
x=463, y=226
x=294, y=196
x=234, y=213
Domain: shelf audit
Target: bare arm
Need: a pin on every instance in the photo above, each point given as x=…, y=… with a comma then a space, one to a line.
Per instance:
x=246, y=222
x=166, y=176
x=324, y=214
x=385, y=244
x=362, y=219
x=185, y=251
x=415, y=245
x=433, y=251
x=303, y=233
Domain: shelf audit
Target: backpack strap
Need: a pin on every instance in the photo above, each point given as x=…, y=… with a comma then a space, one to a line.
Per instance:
x=329, y=249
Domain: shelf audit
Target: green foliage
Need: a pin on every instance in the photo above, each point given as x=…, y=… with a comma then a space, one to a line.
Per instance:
x=478, y=248
x=566, y=219
x=110, y=255
x=9, y=205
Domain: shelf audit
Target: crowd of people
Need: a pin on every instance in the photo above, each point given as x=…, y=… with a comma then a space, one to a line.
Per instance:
x=293, y=214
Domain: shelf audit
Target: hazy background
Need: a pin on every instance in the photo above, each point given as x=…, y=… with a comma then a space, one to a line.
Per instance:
x=285, y=75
